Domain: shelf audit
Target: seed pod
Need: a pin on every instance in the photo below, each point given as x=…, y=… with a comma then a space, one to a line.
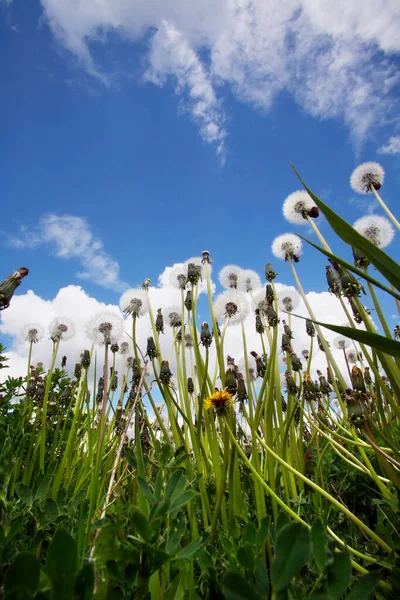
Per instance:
x=178, y=337
x=136, y=373
x=205, y=335
x=269, y=272
x=63, y=361
x=85, y=359
x=310, y=391
x=356, y=313
x=241, y=388
x=350, y=286
x=333, y=280
x=287, y=330
x=188, y=300
x=159, y=321
x=357, y=379
x=218, y=331
x=205, y=257
x=290, y=383
x=269, y=293
x=78, y=370
x=190, y=385
x=259, y=325
x=151, y=348
x=165, y=373
x=323, y=384
x=396, y=332
x=296, y=362
x=286, y=346
x=272, y=317
x=193, y=273
x=260, y=364
x=310, y=329
x=230, y=381
x=360, y=260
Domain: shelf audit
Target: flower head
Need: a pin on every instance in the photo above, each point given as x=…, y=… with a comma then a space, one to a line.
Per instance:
x=298, y=206
x=124, y=348
x=352, y=356
x=199, y=265
x=134, y=302
x=249, y=280
x=231, y=304
x=178, y=276
x=287, y=246
x=105, y=328
x=376, y=229
x=341, y=343
x=230, y=276
x=33, y=332
x=288, y=299
x=261, y=301
x=61, y=328
x=174, y=316
x=220, y=400
x=367, y=176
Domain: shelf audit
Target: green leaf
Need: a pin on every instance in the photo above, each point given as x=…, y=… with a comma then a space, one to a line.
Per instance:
x=23, y=576
x=24, y=493
x=235, y=587
x=130, y=457
x=84, y=584
x=261, y=578
x=2, y=536
x=175, y=484
x=62, y=564
x=176, y=532
x=262, y=533
x=181, y=500
x=365, y=586
x=146, y=491
x=249, y=534
x=43, y=489
x=50, y=510
x=282, y=521
x=292, y=553
x=339, y=575
x=378, y=342
x=176, y=589
x=352, y=268
x=140, y=523
x=245, y=556
x=319, y=544
x=382, y=261
x=191, y=549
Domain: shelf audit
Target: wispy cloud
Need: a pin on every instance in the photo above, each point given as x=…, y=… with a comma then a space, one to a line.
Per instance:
x=392, y=146
x=72, y=238
x=334, y=58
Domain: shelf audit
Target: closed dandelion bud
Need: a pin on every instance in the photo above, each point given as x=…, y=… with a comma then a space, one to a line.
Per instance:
x=205, y=335
x=320, y=344
x=272, y=317
x=329, y=376
x=286, y=347
x=165, y=373
x=151, y=348
x=350, y=286
x=287, y=330
x=78, y=370
x=333, y=280
x=31, y=385
x=146, y=284
x=260, y=365
x=269, y=293
x=269, y=272
x=193, y=273
x=114, y=348
x=323, y=384
x=360, y=260
x=296, y=362
x=159, y=322
x=136, y=373
x=190, y=385
x=259, y=324
x=205, y=257
x=367, y=376
x=188, y=300
x=230, y=381
x=310, y=329
x=63, y=361
x=85, y=359
x=357, y=379
x=396, y=332
x=356, y=313
x=305, y=354
x=290, y=383
x=241, y=388
x=310, y=392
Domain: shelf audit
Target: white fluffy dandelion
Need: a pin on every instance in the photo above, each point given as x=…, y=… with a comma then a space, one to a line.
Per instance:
x=252, y=367
x=230, y=276
x=367, y=176
x=105, y=328
x=174, y=316
x=288, y=299
x=260, y=300
x=33, y=332
x=341, y=343
x=198, y=262
x=231, y=304
x=134, y=302
x=249, y=280
x=298, y=206
x=124, y=348
x=352, y=356
x=286, y=246
x=61, y=328
x=376, y=229
x=178, y=276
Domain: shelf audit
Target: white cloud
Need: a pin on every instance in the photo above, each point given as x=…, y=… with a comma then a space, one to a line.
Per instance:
x=333, y=57
x=392, y=146
x=72, y=238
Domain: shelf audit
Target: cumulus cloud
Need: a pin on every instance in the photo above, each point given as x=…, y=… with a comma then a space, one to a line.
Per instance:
x=335, y=58
x=72, y=238
x=392, y=146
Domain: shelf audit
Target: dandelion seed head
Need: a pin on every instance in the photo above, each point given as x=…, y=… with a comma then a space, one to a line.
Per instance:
x=341, y=343
x=286, y=246
x=231, y=304
x=288, y=299
x=230, y=276
x=174, y=316
x=296, y=207
x=260, y=300
x=134, y=302
x=106, y=327
x=200, y=265
x=351, y=356
x=366, y=176
x=61, y=328
x=178, y=276
x=124, y=348
x=33, y=332
x=249, y=280
x=378, y=230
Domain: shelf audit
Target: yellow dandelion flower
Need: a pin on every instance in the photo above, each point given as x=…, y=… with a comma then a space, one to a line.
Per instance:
x=220, y=400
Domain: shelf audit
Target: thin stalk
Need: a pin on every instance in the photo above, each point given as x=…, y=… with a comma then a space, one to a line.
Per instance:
x=385, y=208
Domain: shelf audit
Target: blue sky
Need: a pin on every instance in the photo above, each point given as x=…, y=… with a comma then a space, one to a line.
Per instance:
x=163, y=128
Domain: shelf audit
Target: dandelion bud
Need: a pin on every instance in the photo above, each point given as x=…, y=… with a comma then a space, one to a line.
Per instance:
x=360, y=260
x=272, y=317
x=190, y=385
x=114, y=381
x=310, y=391
x=310, y=329
x=259, y=325
x=31, y=385
x=290, y=383
x=85, y=359
x=269, y=272
x=286, y=346
x=9, y=285
x=333, y=280
x=146, y=283
x=305, y=354
x=205, y=335
x=78, y=370
x=323, y=384
x=296, y=362
x=260, y=364
x=205, y=257
x=159, y=322
x=188, y=300
x=269, y=293
x=367, y=376
x=136, y=373
x=241, y=388
x=356, y=313
x=151, y=348
x=320, y=344
x=287, y=330
x=350, y=286
x=114, y=348
x=230, y=381
x=357, y=380
x=63, y=361
x=165, y=373
x=193, y=273
x=396, y=332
